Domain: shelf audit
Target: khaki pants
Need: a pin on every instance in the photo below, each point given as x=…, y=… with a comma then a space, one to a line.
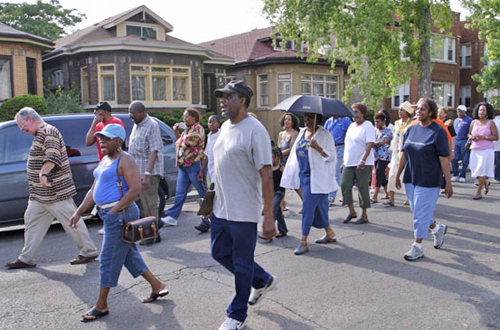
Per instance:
x=151, y=195
x=37, y=219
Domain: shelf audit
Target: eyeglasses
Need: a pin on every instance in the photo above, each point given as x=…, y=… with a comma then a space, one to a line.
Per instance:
x=104, y=138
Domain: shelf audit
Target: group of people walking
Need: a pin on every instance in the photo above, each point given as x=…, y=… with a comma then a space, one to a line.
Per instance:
x=315, y=161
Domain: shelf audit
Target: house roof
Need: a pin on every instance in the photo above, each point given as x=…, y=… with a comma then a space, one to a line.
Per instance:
x=102, y=36
x=11, y=34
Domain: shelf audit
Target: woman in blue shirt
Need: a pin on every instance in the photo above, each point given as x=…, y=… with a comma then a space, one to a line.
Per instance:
x=114, y=209
x=424, y=160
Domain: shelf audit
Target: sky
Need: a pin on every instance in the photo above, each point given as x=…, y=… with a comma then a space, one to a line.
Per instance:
x=194, y=21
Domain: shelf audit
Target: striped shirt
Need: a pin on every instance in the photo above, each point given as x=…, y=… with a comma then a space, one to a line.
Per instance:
x=48, y=145
x=144, y=139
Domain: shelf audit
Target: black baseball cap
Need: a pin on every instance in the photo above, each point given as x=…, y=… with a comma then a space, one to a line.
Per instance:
x=103, y=106
x=237, y=86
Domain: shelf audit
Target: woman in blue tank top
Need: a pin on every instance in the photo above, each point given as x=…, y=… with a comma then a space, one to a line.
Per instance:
x=114, y=210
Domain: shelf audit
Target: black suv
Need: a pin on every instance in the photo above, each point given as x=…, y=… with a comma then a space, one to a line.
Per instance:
x=14, y=149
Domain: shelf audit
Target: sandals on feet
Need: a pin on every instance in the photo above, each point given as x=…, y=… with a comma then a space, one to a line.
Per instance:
x=155, y=296
x=373, y=201
x=486, y=187
x=477, y=197
x=94, y=314
x=388, y=203
x=350, y=217
x=361, y=221
x=301, y=249
x=326, y=239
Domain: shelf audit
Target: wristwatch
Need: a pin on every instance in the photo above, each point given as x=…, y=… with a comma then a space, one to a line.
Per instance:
x=147, y=173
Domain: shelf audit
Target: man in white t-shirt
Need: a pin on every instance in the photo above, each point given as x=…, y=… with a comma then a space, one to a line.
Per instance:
x=213, y=126
x=242, y=175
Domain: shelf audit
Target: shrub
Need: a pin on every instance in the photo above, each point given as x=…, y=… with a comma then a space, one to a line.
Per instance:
x=62, y=101
x=10, y=107
x=176, y=116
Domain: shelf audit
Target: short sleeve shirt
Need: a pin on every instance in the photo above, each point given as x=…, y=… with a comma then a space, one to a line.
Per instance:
x=48, y=145
x=190, y=146
x=383, y=152
x=240, y=152
x=355, y=143
x=144, y=139
x=422, y=147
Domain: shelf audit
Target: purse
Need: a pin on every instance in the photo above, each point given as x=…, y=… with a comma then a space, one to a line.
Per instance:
x=207, y=203
x=141, y=229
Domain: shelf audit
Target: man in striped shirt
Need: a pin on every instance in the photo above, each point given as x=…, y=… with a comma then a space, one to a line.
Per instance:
x=51, y=189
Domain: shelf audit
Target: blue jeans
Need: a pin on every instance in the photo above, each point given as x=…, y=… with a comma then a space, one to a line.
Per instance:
x=422, y=203
x=187, y=175
x=115, y=252
x=497, y=165
x=338, y=165
x=277, y=213
x=460, y=153
x=233, y=246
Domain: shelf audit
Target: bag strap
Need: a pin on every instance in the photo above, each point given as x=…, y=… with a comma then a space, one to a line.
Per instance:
x=119, y=182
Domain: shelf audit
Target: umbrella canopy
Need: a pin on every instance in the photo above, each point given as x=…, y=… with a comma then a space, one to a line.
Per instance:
x=315, y=104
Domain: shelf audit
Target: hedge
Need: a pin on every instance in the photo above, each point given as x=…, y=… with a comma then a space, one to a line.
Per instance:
x=10, y=107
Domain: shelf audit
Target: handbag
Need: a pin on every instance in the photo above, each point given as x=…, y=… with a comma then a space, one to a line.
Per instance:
x=141, y=229
x=207, y=203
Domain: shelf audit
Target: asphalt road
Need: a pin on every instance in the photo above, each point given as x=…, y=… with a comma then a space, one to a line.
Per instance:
x=361, y=282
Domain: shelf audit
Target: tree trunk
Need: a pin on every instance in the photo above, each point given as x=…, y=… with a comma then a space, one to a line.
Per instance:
x=424, y=82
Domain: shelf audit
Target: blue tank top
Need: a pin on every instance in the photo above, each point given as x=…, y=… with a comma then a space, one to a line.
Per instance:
x=106, y=187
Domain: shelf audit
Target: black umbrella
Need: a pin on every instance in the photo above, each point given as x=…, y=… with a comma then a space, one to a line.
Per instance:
x=324, y=106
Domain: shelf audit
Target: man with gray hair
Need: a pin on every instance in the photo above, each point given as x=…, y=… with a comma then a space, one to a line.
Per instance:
x=51, y=189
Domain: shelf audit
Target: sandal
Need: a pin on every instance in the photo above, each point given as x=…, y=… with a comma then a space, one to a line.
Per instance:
x=388, y=203
x=350, y=217
x=280, y=235
x=153, y=296
x=486, y=187
x=373, y=201
x=326, y=239
x=302, y=248
x=361, y=221
x=406, y=202
x=385, y=197
x=265, y=239
x=477, y=197
x=94, y=314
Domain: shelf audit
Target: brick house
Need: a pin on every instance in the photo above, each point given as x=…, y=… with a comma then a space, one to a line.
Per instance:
x=275, y=73
x=21, y=62
x=131, y=56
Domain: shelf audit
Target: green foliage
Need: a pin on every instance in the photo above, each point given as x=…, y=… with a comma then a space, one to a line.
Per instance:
x=366, y=34
x=61, y=101
x=49, y=20
x=10, y=107
x=486, y=17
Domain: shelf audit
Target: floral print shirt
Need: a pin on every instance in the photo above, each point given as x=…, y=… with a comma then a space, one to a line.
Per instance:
x=189, y=146
x=383, y=152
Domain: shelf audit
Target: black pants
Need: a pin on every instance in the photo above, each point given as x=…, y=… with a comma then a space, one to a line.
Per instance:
x=380, y=175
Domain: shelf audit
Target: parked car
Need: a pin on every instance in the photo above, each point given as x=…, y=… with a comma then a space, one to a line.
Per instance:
x=14, y=149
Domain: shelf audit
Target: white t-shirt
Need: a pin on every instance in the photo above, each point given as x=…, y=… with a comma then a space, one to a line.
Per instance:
x=355, y=141
x=496, y=144
x=239, y=153
x=209, y=152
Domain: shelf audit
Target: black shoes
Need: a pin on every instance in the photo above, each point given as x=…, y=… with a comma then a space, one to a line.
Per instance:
x=204, y=225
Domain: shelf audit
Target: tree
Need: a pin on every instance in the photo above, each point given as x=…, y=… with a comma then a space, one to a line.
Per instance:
x=49, y=20
x=486, y=17
x=384, y=42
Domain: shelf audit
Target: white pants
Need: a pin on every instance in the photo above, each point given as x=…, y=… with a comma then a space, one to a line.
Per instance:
x=37, y=219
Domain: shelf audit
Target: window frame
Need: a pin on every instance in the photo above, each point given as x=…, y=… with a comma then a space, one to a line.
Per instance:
x=445, y=46
x=170, y=74
x=463, y=56
x=285, y=81
x=465, y=93
x=142, y=27
x=84, y=85
x=11, y=76
x=401, y=94
x=100, y=82
x=444, y=84
x=316, y=82
x=263, y=102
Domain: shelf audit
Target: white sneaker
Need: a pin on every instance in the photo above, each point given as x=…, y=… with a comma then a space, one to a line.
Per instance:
x=232, y=324
x=101, y=231
x=439, y=236
x=461, y=180
x=454, y=178
x=257, y=294
x=169, y=221
x=414, y=253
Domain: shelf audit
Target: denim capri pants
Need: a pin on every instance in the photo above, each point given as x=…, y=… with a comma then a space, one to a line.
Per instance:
x=115, y=252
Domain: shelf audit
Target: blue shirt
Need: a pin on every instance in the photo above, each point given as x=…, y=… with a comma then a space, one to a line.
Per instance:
x=462, y=127
x=338, y=127
x=422, y=147
x=106, y=188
